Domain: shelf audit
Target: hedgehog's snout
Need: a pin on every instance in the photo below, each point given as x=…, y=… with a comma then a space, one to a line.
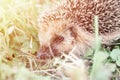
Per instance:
x=49, y=51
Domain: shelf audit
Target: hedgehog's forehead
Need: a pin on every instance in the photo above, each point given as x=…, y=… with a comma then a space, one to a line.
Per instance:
x=51, y=29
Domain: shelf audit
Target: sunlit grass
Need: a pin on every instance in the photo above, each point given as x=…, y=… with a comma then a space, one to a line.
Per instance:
x=18, y=39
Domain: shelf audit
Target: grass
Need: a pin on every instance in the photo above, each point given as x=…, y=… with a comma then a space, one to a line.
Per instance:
x=19, y=44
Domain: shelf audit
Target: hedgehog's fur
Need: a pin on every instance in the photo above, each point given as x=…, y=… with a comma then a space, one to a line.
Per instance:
x=71, y=23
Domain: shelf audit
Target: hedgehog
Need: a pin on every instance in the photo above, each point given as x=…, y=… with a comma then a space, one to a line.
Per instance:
x=71, y=23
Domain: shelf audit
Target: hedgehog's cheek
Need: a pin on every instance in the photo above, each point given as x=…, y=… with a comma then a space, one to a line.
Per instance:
x=65, y=47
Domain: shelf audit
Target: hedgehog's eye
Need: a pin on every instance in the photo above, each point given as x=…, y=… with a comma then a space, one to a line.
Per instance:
x=58, y=39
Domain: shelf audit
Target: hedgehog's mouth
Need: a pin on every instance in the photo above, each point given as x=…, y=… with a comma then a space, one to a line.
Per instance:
x=47, y=52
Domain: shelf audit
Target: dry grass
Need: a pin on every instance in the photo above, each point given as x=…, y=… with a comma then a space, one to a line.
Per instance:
x=19, y=44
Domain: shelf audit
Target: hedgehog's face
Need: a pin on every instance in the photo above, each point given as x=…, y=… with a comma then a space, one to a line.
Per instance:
x=63, y=42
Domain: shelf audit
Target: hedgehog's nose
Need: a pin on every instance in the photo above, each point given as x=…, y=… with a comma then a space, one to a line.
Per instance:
x=43, y=53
